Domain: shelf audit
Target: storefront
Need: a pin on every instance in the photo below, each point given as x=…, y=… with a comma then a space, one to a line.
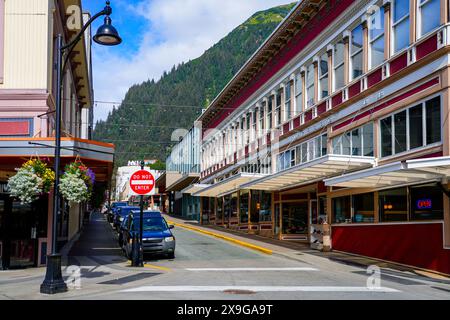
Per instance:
x=23, y=227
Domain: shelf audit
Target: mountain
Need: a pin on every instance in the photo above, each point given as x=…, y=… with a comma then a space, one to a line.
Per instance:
x=142, y=125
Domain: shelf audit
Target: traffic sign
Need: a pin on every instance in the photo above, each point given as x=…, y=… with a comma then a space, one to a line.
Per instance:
x=142, y=182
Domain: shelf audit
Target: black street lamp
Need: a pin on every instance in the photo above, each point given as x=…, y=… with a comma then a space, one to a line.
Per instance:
x=106, y=35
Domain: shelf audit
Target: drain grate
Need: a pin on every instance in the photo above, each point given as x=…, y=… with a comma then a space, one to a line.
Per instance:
x=135, y=277
x=238, y=291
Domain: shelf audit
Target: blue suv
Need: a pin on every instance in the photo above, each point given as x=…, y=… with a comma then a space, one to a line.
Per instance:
x=157, y=235
x=121, y=214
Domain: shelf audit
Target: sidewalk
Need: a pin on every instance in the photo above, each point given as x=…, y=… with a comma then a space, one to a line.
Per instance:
x=295, y=250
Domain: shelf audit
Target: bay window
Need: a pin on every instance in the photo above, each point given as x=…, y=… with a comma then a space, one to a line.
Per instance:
x=400, y=24
x=357, y=142
x=415, y=127
x=429, y=17
x=356, y=52
x=310, y=86
x=298, y=93
x=376, y=38
x=323, y=76
x=338, y=65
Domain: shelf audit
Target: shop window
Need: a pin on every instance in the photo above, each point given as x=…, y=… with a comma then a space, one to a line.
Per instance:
x=341, y=209
x=265, y=211
x=393, y=205
x=429, y=18
x=219, y=210
x=395, y=132
x=295, y=218
x=243, y=206
x=363, y=208
x=255, y=208
x=288, y=103
x=400, y=24
x=426, y=203
x=356, y=52
x=298, y=93
x=322, y=214
x=310, y=86
x=376, y=37
x=338, y=65
x=323, y=76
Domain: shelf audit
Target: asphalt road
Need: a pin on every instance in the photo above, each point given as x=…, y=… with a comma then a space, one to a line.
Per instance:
x=210, y=268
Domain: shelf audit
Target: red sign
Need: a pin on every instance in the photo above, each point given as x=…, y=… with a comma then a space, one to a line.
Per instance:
x=142, y=182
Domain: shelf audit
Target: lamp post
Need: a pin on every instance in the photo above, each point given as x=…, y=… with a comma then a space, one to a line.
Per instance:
x=106, y=35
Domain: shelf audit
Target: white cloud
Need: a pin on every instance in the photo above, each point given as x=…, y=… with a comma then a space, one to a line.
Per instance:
x=179, y=30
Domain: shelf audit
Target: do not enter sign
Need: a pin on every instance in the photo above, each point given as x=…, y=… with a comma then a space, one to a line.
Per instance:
x=142, y=182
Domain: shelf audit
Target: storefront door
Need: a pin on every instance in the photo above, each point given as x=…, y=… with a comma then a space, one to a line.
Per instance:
x=295, y=218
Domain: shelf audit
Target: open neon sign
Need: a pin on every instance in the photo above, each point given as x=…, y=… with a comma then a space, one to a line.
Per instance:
x=424, y=204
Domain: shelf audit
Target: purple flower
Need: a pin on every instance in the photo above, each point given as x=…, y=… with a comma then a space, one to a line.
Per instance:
x=91, y=176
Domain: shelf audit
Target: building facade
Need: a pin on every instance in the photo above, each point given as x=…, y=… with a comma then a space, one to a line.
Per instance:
x=28, y=30
x=340, y=117
x=182, y=171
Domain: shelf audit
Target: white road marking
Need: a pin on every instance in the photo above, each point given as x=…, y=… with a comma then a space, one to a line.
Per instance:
x=259, y=289
x=250, y=269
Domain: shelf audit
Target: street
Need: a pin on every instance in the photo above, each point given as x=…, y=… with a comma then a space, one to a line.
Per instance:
x=210, y=268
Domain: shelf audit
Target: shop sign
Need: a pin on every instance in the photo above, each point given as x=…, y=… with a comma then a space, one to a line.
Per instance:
x=424, y=204
x=4, y=188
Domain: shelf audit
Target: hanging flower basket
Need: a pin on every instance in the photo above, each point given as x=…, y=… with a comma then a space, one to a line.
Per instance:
x=77, y=182
x=32, y=180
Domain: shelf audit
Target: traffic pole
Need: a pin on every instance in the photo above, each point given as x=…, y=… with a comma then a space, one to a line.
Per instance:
x=141, y=227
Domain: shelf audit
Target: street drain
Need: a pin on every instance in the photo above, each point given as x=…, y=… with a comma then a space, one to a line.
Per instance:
x=238, y=291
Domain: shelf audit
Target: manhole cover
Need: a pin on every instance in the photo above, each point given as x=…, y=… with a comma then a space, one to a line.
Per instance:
x=238, y=291
x=203, y=244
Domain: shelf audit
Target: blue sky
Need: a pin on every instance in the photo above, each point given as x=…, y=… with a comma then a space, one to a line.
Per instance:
x=158, y=34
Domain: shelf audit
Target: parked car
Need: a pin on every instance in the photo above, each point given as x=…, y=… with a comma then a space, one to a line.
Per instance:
x=121, y=214
x=113, y=208
x=157, y=235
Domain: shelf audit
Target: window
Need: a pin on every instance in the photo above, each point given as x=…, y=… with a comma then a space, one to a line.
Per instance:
x=243, y=206
x=310, y=86
x=429, y=17
x=323, y=76
x=400, y=24
x=261, y=119
x=358, y=142
x=298, y=93
x=247, y=131
x=254, y=116
x=363, y=208
x=288, y=103
x=305, y=152
x=278, y=108
x=295, y=218
x=393, y=205
x=426, y=203
x=341, y=209
x=376, y=38
x=356, y=52
x=397, y=136
x=269, y=113
x=338, y=65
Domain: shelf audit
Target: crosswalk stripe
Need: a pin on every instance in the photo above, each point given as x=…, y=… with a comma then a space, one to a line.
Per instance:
x=260, y=289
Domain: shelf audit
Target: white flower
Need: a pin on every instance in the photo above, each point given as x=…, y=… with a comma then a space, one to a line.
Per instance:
x=25, y=185
x=73, y=188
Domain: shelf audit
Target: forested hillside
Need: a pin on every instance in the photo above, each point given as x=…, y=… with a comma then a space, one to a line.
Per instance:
x=142, y=125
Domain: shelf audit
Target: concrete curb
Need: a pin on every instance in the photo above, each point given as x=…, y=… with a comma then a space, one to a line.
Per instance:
x=216, y=235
